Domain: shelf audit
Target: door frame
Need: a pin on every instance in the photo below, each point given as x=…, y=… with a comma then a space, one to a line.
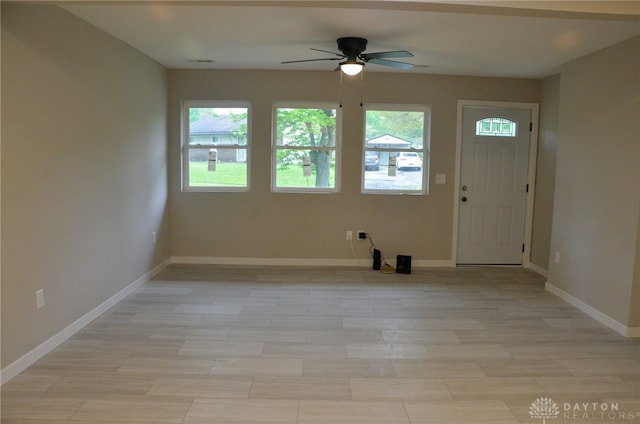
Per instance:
x=531, y=177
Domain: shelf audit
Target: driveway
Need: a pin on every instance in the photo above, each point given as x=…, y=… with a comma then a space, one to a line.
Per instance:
x=404, y=180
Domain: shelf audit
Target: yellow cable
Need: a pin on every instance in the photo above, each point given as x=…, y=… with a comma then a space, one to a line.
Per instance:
x=387, y=269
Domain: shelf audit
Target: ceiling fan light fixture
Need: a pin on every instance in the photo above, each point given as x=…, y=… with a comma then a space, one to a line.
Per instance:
x=351, y=68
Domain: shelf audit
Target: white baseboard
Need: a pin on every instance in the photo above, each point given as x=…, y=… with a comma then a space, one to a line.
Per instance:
x=434, y=263
x=317, y=262
x=25, y=361
x=631, y=332
x=536, y=268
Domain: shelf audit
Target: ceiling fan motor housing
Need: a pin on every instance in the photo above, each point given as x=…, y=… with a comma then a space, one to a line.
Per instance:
x=352, y=47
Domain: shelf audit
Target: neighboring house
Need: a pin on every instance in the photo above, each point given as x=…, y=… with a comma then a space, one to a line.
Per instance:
x=387, y=142
x=220, y=131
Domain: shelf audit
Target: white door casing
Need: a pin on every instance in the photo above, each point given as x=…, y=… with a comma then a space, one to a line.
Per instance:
x=492, y=188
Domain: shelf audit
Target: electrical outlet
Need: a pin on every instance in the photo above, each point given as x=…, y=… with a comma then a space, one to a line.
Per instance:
x=362, y=235
x=40, y=299
x=349, y=235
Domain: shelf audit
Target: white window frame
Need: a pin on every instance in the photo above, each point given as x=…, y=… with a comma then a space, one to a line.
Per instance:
x=275, y=147
x=187, y=146
x=425, y=150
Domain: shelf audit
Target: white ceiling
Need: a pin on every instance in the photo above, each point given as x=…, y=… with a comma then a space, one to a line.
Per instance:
x=491, y=38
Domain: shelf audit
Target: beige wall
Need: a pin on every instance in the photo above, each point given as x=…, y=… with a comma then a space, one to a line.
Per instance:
x=634, y=301
x=84, y=180
x=545, y=171
x=595, y=218
x=261, y=224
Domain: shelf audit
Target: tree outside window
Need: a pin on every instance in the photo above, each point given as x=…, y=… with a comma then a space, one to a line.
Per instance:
x=305, y=148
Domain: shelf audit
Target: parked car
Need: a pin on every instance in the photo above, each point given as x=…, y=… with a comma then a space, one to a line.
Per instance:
x=371, y=161
x=408, y=160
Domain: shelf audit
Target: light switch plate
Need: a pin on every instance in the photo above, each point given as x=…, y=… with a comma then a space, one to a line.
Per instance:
x=40, y=299
x=441, y=178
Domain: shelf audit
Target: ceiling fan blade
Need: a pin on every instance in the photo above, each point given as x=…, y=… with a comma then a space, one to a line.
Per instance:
x=327, y=51
x=384, y=55
x=309, y=60
x=392, y=63
x=352, y=49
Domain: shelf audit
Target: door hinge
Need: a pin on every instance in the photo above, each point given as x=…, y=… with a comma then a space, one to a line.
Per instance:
x=522, y=247
x=530, y=126
x=527, y=189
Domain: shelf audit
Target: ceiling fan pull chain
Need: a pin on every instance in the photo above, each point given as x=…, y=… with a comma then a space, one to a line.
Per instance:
x=340, y=90
x=361, y=86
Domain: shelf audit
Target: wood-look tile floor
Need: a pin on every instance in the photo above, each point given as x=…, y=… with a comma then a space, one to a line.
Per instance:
x=213, y=344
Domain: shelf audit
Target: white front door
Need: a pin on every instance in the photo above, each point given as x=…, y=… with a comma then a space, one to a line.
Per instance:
x=492, y=199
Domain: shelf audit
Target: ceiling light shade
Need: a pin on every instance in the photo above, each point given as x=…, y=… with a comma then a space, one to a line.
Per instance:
x=351, y=68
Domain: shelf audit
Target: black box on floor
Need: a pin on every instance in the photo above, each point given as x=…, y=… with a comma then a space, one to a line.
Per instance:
x=403, y=264
x=377, y=260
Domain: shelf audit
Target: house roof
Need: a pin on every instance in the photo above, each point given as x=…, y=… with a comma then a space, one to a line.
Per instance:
x=389, y=140
x=216, y=125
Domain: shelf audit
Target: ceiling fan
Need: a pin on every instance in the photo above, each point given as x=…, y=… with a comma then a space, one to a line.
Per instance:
x=352, y=49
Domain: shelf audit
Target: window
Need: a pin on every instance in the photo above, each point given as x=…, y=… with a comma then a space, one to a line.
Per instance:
x=499, y=127
x=396, y=156
x=305, y=148
x=215, y=152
